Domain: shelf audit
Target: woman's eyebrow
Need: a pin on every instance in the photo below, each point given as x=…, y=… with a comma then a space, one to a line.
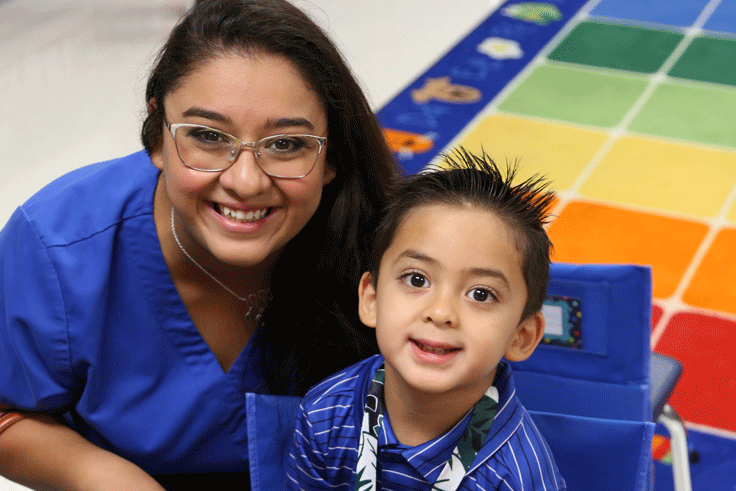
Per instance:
x=207, y=114
x=289, y=122
x=270, y=123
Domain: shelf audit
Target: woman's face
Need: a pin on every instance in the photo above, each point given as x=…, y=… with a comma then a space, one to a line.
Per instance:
x=242, y=216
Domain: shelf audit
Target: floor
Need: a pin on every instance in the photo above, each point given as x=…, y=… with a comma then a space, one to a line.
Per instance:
x=651, y=163
x=631, y=111
x=72, y=72
x=642, y=151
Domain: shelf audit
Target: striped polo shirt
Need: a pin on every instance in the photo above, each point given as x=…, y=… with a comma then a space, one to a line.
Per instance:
x=325, y=447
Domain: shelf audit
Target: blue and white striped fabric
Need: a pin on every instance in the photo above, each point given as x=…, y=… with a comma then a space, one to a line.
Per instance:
x=325, y=447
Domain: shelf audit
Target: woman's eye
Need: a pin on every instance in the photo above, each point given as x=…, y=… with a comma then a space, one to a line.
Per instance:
x=415, y=280
x=481, y=295
x=284, y=145
x=207, y=136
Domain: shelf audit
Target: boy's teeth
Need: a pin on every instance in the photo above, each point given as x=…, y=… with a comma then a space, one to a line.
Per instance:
x=241, y=216
x=432, y=349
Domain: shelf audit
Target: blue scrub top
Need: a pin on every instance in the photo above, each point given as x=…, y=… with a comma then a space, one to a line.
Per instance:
x=92, y=325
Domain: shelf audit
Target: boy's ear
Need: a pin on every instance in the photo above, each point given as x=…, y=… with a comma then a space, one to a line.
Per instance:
x=367, y=300
x=528, y=335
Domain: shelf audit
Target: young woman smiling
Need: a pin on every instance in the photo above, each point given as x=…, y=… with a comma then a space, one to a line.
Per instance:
x=158, y=310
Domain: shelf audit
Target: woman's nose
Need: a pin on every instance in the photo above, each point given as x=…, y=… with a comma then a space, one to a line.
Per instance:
x=245, y=177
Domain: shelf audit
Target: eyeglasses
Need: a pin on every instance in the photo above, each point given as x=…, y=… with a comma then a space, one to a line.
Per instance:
x=209, y=150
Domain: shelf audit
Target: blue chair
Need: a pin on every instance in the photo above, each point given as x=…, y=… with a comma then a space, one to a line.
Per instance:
x=587, y=385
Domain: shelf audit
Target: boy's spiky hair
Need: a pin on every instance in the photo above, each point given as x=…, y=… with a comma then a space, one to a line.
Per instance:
x=468, y=179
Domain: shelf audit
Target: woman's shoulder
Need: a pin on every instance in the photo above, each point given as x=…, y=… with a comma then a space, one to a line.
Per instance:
x=92, y=198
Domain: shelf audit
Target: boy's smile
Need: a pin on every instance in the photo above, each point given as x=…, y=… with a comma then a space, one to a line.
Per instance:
x=448, y=302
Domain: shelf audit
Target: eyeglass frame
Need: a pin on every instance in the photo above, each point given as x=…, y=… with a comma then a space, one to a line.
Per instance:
x=172, y=127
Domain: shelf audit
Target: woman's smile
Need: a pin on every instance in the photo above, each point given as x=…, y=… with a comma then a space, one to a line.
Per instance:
x=241, y=216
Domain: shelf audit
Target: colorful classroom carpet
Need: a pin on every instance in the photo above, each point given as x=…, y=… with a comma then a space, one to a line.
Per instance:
x=629, y=107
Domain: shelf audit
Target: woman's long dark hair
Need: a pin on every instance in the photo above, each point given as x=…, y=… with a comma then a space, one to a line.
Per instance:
x=311, y=326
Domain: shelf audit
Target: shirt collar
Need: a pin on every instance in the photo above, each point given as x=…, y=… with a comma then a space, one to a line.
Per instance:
x=429, y=458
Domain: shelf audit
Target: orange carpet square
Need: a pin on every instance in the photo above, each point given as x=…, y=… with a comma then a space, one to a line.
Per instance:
x=706, y=346
x=594, y=233
x=714, y=284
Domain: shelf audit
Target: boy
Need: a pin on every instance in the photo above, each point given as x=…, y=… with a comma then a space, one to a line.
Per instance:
x=458, y=277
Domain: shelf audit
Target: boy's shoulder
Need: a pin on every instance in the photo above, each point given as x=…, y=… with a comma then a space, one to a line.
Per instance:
x=347, y=384
x=515, y=450
x=332, y=409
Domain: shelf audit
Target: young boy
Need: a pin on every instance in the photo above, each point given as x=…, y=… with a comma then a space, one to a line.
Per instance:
x=459, y=274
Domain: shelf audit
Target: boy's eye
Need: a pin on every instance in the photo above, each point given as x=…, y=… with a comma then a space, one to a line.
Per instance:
x=416, y=280
x=481, y=295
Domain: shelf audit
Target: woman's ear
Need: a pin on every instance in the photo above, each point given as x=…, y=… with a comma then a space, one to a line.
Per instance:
x=367, y=300
x=528, y=335
x=328, y=175
x=157, y=154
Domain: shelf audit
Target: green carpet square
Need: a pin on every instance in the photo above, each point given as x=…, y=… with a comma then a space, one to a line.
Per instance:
x=708, y=60
x=575, y=95
x=705, y=114
x=619, y=47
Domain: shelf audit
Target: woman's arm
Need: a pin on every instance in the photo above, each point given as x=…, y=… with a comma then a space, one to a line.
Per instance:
x=38, y=451
x=41, y=453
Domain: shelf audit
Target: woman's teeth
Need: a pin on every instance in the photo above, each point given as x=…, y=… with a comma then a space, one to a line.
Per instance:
x=242, y=216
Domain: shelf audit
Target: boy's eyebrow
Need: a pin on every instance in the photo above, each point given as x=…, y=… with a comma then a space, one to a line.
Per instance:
x=489, y=272
x=493, y=273
x=413, y=254
x=271, y=123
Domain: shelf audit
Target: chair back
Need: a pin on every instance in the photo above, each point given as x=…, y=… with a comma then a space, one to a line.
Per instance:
x=587, y=384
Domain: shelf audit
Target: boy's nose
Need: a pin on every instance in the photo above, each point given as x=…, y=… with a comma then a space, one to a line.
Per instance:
x=441, y=311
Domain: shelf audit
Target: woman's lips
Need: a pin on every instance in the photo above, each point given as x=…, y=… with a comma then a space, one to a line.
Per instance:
x=242, y=216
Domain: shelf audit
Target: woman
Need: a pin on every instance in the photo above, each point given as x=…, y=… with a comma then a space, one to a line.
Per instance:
x=158, y=303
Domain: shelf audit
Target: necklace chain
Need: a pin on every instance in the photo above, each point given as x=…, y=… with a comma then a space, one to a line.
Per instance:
x=254, y=300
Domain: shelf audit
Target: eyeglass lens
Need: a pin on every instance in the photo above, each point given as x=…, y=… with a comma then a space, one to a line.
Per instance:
x=206, y=149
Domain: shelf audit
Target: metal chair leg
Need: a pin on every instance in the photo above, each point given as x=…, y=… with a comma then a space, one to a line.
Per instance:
x=678, y=444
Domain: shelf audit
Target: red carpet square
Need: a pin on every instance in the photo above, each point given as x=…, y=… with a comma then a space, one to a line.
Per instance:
x=706, y=346
x=656, y=315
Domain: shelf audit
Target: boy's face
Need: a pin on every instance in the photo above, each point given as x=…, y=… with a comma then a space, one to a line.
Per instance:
x=448, y=302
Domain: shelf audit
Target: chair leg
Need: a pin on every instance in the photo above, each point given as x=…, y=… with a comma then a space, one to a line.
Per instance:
x=678, y=444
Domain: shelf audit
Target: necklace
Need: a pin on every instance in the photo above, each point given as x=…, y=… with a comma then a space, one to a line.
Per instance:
x=257, y=302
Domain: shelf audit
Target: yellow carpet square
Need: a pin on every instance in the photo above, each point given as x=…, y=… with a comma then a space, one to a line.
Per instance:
x=732, y=214
x=558, y=151
x=664, y=175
